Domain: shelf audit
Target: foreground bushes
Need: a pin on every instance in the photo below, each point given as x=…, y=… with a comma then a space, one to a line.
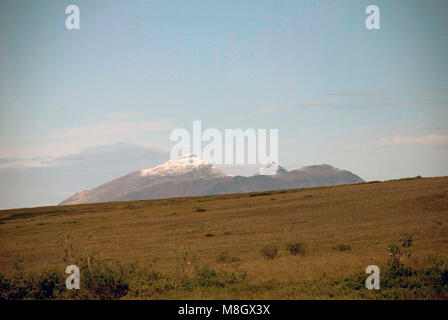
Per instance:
x=48, y=284
x=107, y=282
x=399, y=280
x=190, y=279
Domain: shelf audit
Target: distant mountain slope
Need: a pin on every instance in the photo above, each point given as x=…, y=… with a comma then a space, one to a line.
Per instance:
x=190, y=176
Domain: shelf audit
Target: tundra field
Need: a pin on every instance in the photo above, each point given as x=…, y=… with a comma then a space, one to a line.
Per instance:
x=292, y=244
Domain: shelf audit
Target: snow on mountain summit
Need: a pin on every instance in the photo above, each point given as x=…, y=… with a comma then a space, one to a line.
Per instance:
x=182, y=165
x=191, y=176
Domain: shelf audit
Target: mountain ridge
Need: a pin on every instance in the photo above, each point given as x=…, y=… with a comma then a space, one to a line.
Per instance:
x=191, y=176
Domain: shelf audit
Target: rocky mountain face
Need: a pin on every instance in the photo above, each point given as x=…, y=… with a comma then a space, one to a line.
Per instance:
x=191, y=176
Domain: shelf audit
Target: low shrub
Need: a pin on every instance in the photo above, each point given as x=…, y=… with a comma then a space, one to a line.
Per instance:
x=406, y=242
x=224, y=257
x=260, y=194
x=296, y=249
x=269, y=251
x=48, y=284
x=342, y=248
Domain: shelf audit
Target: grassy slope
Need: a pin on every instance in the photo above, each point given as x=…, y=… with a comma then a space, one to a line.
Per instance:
x=366, y=217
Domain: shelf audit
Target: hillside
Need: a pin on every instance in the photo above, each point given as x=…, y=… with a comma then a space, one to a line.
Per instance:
x=363, y=218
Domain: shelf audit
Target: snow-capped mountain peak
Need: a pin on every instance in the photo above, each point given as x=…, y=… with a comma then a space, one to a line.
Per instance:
x=192, y=176
x=182, y=165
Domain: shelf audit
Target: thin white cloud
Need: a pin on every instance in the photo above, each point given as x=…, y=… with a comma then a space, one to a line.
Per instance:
x=74, y=139
x=398, y=140
x=309, y=128
x=6, y=163
x=268, y=109
x=113, y=128
x=433, y=91
x=316, y=105
x=385, y=93
x=373, y=104
x=122, y=115
x=436, y=103
x=95, y=153
x=359, y=94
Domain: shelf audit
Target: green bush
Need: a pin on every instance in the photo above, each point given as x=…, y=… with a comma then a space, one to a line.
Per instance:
x=398, y=280
x=48, y=284
x=406, y=242
x=105, y=283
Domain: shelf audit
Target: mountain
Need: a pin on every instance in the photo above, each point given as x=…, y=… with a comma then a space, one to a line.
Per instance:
x=191, y=176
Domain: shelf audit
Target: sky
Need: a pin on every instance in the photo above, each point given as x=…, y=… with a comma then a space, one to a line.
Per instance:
x=81, y=107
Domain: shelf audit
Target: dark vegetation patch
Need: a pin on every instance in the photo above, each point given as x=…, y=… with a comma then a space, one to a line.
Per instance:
x=410, y=178
x=109, y=281
x=269, y=251
x=224, y=257
x=342, y=248
x=406, y=242
x=71, y=222
x=259, y=194
x=25, y=215
x=296, y=249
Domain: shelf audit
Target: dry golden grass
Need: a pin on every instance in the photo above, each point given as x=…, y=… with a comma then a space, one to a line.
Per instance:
x=366, y=217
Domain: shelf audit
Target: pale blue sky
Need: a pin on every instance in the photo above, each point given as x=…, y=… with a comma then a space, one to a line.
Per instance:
x=373, y=102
